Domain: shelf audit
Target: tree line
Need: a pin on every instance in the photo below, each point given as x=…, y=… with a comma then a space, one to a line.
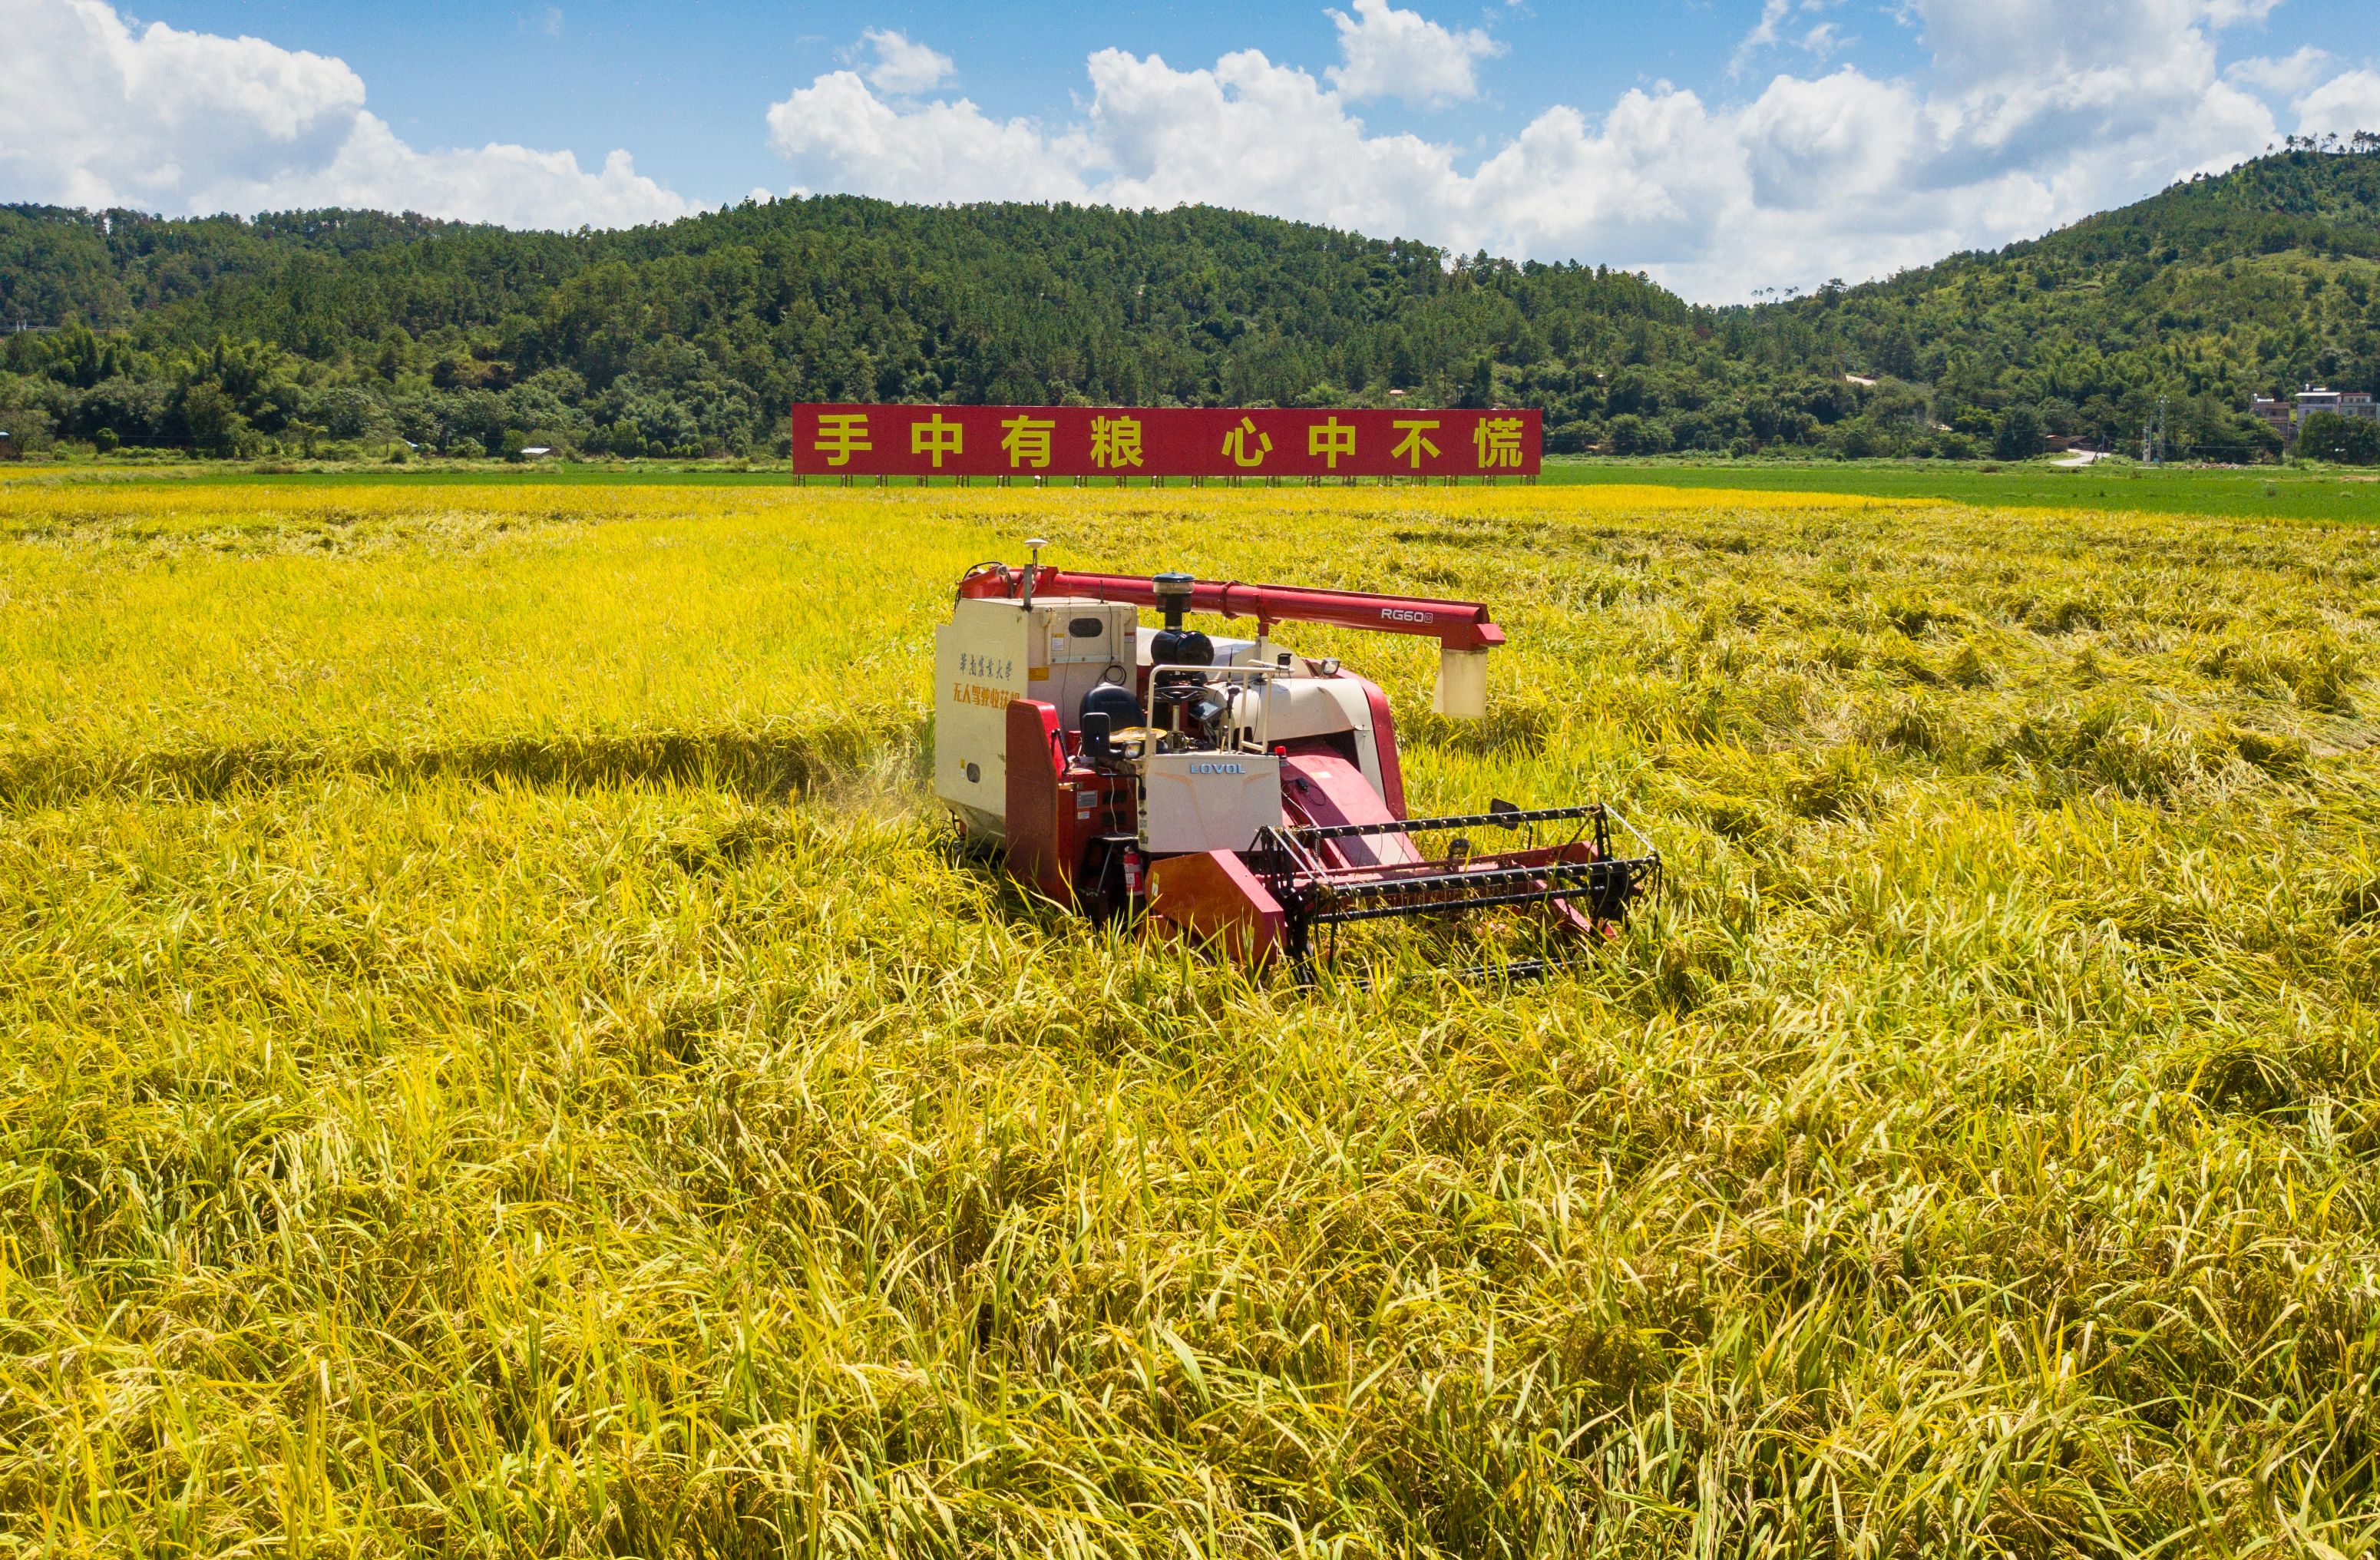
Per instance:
x=360, y=333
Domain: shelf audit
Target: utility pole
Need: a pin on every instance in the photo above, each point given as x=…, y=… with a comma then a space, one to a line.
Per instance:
x=2153, y=437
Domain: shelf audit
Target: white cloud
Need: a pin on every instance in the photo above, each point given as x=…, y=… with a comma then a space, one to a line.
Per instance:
x=2035, y=112
x=2344, y=104
x=2287, y=74
x=846, y=137
x=93, y=113
x=1386, y=53
x=1763, y=33
x=1824, y=39
x=902, y=66
x=1819, y=40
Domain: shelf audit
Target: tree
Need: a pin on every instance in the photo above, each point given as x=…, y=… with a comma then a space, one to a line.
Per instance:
x=2348, y=441
x=1631, y=435
x=214, y=419
x=1898, y=355
x=1481, y=392
x=1861, y=440
x=2020, y=436
x=25, y=423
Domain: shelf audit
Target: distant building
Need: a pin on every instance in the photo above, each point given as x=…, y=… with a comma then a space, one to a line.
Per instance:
x=2283, y=417
x=2346, y=403
x=535, y=452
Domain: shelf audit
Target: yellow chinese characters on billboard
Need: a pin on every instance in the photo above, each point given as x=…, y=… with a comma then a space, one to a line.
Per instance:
x=852, y=440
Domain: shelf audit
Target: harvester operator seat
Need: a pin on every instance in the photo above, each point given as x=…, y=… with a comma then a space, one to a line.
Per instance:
x=1116, y=702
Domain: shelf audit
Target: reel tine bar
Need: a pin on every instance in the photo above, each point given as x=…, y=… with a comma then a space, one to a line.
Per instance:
x=1313, y=893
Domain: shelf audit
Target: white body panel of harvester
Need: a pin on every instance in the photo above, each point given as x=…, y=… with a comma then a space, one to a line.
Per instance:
x=1207, y=801
x=1319, y=707
x=992, y=652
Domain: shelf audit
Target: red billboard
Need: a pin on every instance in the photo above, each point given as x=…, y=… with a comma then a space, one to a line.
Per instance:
x=852, y=440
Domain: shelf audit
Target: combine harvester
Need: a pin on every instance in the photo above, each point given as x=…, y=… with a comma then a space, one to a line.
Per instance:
x=1228, y=788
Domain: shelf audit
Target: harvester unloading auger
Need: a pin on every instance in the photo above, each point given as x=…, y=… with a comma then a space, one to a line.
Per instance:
x=1230, y=789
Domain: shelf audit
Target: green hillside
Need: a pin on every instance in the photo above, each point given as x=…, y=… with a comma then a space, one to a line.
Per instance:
x=2259, y=279
x=353, y=330
x=696, y=334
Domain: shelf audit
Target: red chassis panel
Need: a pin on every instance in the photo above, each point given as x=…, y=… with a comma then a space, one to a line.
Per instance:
x=1384, y=744
x=1213, y=897
x=1055, y=810
x=1322, y=788
x=1037, y=764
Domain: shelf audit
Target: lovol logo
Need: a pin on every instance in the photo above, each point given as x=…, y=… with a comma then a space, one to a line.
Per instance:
x=1399, y=614
x=1217, y=769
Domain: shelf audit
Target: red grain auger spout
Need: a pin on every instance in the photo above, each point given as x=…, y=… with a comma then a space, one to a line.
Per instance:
x=1458, y=626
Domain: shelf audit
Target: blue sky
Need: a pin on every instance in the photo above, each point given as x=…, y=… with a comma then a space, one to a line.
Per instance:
x=1726, y=146
x=684, y=86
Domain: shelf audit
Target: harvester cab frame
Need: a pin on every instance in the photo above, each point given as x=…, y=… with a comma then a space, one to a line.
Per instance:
x=1230, y=789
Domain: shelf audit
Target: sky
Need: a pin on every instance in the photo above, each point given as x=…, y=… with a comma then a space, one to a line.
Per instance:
x=1725, y=147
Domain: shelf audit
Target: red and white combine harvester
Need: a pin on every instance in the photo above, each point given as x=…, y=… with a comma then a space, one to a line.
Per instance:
x=1230, y=789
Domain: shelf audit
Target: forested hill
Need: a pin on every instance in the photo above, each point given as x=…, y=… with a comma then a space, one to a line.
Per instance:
x=2257, y=280
x=699, y=333
x=358, y=329
x=831, y=296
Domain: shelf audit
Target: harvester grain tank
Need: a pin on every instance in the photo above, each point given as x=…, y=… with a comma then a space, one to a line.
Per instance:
x=1230, y=789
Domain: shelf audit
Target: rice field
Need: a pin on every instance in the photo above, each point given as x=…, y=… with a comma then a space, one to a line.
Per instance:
x=498, y=1055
